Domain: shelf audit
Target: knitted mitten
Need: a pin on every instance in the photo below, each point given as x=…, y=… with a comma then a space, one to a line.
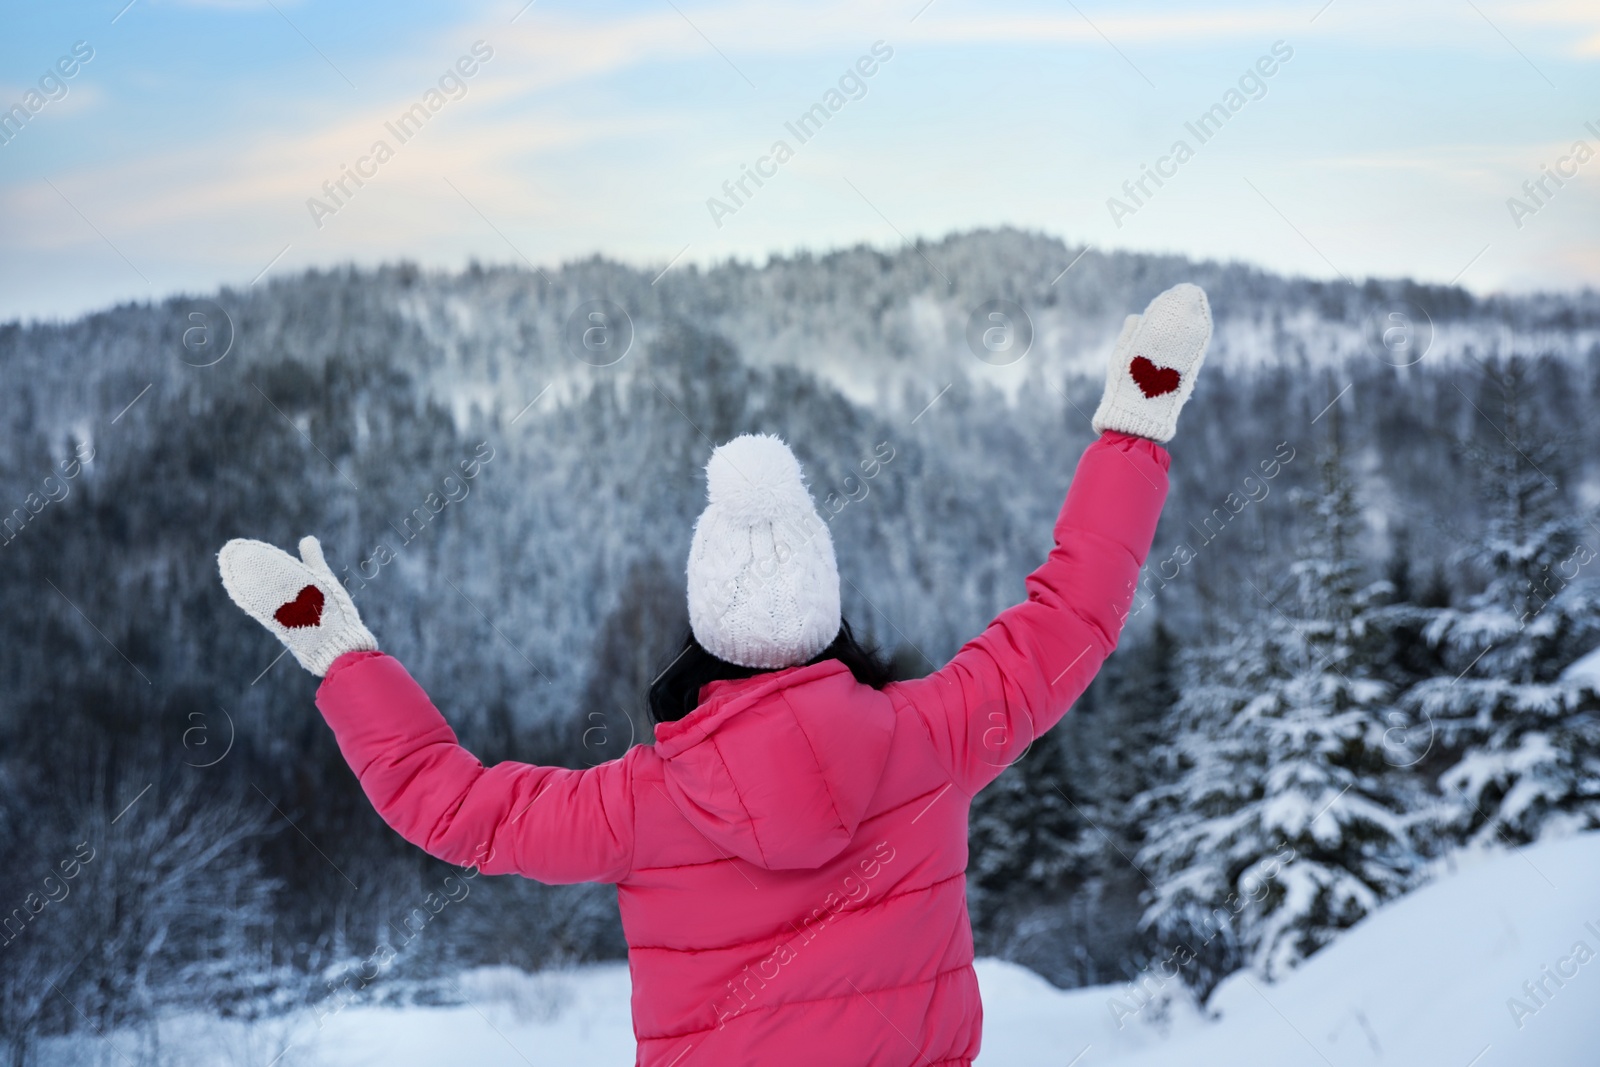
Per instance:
x=302, y=603
x=1154, y=363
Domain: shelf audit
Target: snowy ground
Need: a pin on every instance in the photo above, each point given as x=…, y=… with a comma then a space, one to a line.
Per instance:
x=1427, y=982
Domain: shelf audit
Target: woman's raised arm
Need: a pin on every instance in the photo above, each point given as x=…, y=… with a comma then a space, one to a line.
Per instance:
x=552, y=824
x=548, y=823
x=1011, y=683
x=1014, y=681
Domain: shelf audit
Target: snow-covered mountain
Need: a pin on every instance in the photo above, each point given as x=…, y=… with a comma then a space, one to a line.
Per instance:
x=511, y=502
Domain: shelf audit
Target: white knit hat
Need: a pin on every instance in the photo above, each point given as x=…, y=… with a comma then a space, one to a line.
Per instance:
x=763, y=582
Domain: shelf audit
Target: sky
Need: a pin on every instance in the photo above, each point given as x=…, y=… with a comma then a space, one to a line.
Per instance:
x=202, y=143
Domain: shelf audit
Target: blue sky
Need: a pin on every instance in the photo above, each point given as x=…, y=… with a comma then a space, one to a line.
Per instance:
x=183, y=154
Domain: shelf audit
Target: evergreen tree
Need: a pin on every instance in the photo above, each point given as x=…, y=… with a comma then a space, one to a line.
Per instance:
x=1285, y=824
x=633, y=641
x=1049, y=880
x=1140, y=687
x=1524, y=741
x=1025, y=837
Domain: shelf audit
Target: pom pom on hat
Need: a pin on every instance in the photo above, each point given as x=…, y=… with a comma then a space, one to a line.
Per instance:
x=756, y=476
x=763, y=582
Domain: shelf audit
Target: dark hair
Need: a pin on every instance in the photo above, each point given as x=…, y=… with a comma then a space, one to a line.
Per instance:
x=676, y=690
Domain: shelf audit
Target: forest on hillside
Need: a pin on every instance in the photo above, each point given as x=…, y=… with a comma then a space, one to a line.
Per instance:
x=1355, y=650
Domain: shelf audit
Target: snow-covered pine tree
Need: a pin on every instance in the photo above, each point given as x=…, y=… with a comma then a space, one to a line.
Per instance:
x=1049, y=882
x=1283, y=824
x=1026, y=839
x=1525, y=739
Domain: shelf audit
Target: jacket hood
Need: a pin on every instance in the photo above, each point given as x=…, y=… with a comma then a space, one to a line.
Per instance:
x=778, y=769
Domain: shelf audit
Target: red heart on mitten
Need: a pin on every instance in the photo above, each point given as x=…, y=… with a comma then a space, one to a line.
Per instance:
x=1152, y=380
x=304, y=610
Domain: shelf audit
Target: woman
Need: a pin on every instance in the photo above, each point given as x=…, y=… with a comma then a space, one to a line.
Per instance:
x=790, y=853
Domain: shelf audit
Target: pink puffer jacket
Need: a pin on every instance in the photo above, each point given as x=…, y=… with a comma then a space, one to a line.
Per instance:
x=789, y=858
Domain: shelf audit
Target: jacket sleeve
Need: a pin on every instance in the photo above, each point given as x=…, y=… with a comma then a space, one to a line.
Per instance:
x=1014, y=681
x=548, y=823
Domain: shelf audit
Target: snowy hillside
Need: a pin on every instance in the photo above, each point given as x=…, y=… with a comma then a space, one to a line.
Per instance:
x=1429, y=981
x=1432, y=979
